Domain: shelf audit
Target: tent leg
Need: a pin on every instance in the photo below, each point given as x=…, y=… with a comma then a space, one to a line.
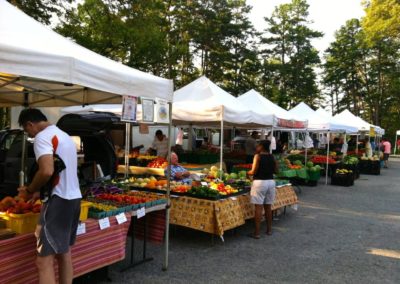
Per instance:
x=127, y=147
x=357, y=144
x=221, y=154
x=327, y=157
x=166, y=241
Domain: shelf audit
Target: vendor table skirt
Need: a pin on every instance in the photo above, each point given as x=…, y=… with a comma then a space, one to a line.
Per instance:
x=216, y=217
x=93, y=250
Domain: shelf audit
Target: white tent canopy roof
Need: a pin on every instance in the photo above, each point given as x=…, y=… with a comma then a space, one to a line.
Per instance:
x=318, y=122
x=357, y=122
x=256, y=102
x=42, y=68
x=204, y=103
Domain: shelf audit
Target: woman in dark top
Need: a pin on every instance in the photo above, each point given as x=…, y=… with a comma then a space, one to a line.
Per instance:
x=263, y=188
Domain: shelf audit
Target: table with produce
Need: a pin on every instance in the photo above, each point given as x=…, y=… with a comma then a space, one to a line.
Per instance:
x=106, y=212
x=220, y=199
x=95, y=247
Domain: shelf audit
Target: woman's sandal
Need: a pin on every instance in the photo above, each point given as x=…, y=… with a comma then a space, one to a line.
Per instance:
x=253, y=236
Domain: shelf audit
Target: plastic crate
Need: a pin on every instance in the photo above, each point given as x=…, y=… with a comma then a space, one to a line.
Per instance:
x=342, y=180
x=84, y=210
x=22, y=223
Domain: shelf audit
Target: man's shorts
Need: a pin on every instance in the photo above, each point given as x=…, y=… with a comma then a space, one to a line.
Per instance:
x=262, y=192
x=59, y=219
x=385, y=157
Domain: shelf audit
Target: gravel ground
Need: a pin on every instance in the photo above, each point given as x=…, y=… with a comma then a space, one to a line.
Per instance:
x=338, y=235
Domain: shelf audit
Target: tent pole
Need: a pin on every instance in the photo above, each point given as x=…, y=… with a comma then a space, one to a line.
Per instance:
x=190, y=142
x=327, y=157
x=127, y=147
x=272, y=137
x=357, y=144
x=306, y=153
x=395, y=145
x=166, y=241
x=221, y=154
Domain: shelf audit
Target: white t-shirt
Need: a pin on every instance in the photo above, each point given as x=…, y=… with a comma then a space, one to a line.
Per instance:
x=179, y=138
x=273, y=142
x=160, y=146
x=53, y=139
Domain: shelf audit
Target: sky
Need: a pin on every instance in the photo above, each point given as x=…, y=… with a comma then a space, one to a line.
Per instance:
x=327, y=15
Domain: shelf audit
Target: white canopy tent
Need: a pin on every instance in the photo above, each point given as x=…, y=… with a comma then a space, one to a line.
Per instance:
x=39, y=67
x=321, y=122
x=358, y=122
x=256, y=102
x=318, y=122
x=203, y=103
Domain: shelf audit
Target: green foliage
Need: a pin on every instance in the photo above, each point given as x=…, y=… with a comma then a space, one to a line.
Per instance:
x=41, y=10
x=382, y=19
x=288, y=42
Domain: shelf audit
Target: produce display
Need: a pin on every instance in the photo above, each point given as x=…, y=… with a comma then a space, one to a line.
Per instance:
x=343, y=171
x=373, y=158
x=97, y=189
x=243, y=166
x=322, y=160
x=158, y=163
x=106, y=205
x=16, y=205
x=350, y=160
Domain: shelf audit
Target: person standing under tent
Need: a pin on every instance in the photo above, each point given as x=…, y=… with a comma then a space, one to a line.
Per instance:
x=262, y=193
x=250, y=147
x=160, y=144
x=272, y=139
x=387, y=148
x=60, y=193
x=368, y=148
x=323, y=141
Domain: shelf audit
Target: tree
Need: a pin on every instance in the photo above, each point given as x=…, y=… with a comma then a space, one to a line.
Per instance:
x=41, y=10
x=288, y=41
x=382, y=19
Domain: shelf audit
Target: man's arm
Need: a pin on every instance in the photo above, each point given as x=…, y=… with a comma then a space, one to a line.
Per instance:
x=44, y=173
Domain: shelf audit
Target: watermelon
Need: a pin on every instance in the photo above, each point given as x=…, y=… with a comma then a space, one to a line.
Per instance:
x=297, y=163
x=233, y=176
x=310, y=164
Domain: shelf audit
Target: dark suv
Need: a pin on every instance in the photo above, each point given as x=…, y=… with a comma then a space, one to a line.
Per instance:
x=96, y=146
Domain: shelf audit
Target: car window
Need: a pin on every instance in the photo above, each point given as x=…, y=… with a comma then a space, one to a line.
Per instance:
x=8, y=141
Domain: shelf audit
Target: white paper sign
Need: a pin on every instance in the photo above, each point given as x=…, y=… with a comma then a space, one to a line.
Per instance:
x=162, y=111
x=81, y=229
x=295, y=207
x=203, y=183
x=233, y=198
x=129, y=104
x=141, y=212
x=147, y=110
x=121, y=218
x=104, y=223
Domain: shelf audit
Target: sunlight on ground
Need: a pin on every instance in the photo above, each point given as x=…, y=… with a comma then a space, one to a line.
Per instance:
x=341, y=212
x=385, y=252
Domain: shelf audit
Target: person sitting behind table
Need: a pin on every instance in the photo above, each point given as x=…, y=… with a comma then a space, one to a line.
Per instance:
x=159, y=145
x=178, y=173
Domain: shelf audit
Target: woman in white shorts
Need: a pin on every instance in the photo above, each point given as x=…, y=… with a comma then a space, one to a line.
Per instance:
x=262, y=193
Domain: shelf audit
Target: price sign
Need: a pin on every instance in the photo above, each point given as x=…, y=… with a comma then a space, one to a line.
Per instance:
x=233, y=198
x=81, y=229
x=295, y=207
x=141, y=212
x=121, y=218
x=104, y=223
x=203, y=183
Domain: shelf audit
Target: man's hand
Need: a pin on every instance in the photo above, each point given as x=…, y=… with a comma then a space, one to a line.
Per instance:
x=179, y=175
x=34, y=198
x=23, y=193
